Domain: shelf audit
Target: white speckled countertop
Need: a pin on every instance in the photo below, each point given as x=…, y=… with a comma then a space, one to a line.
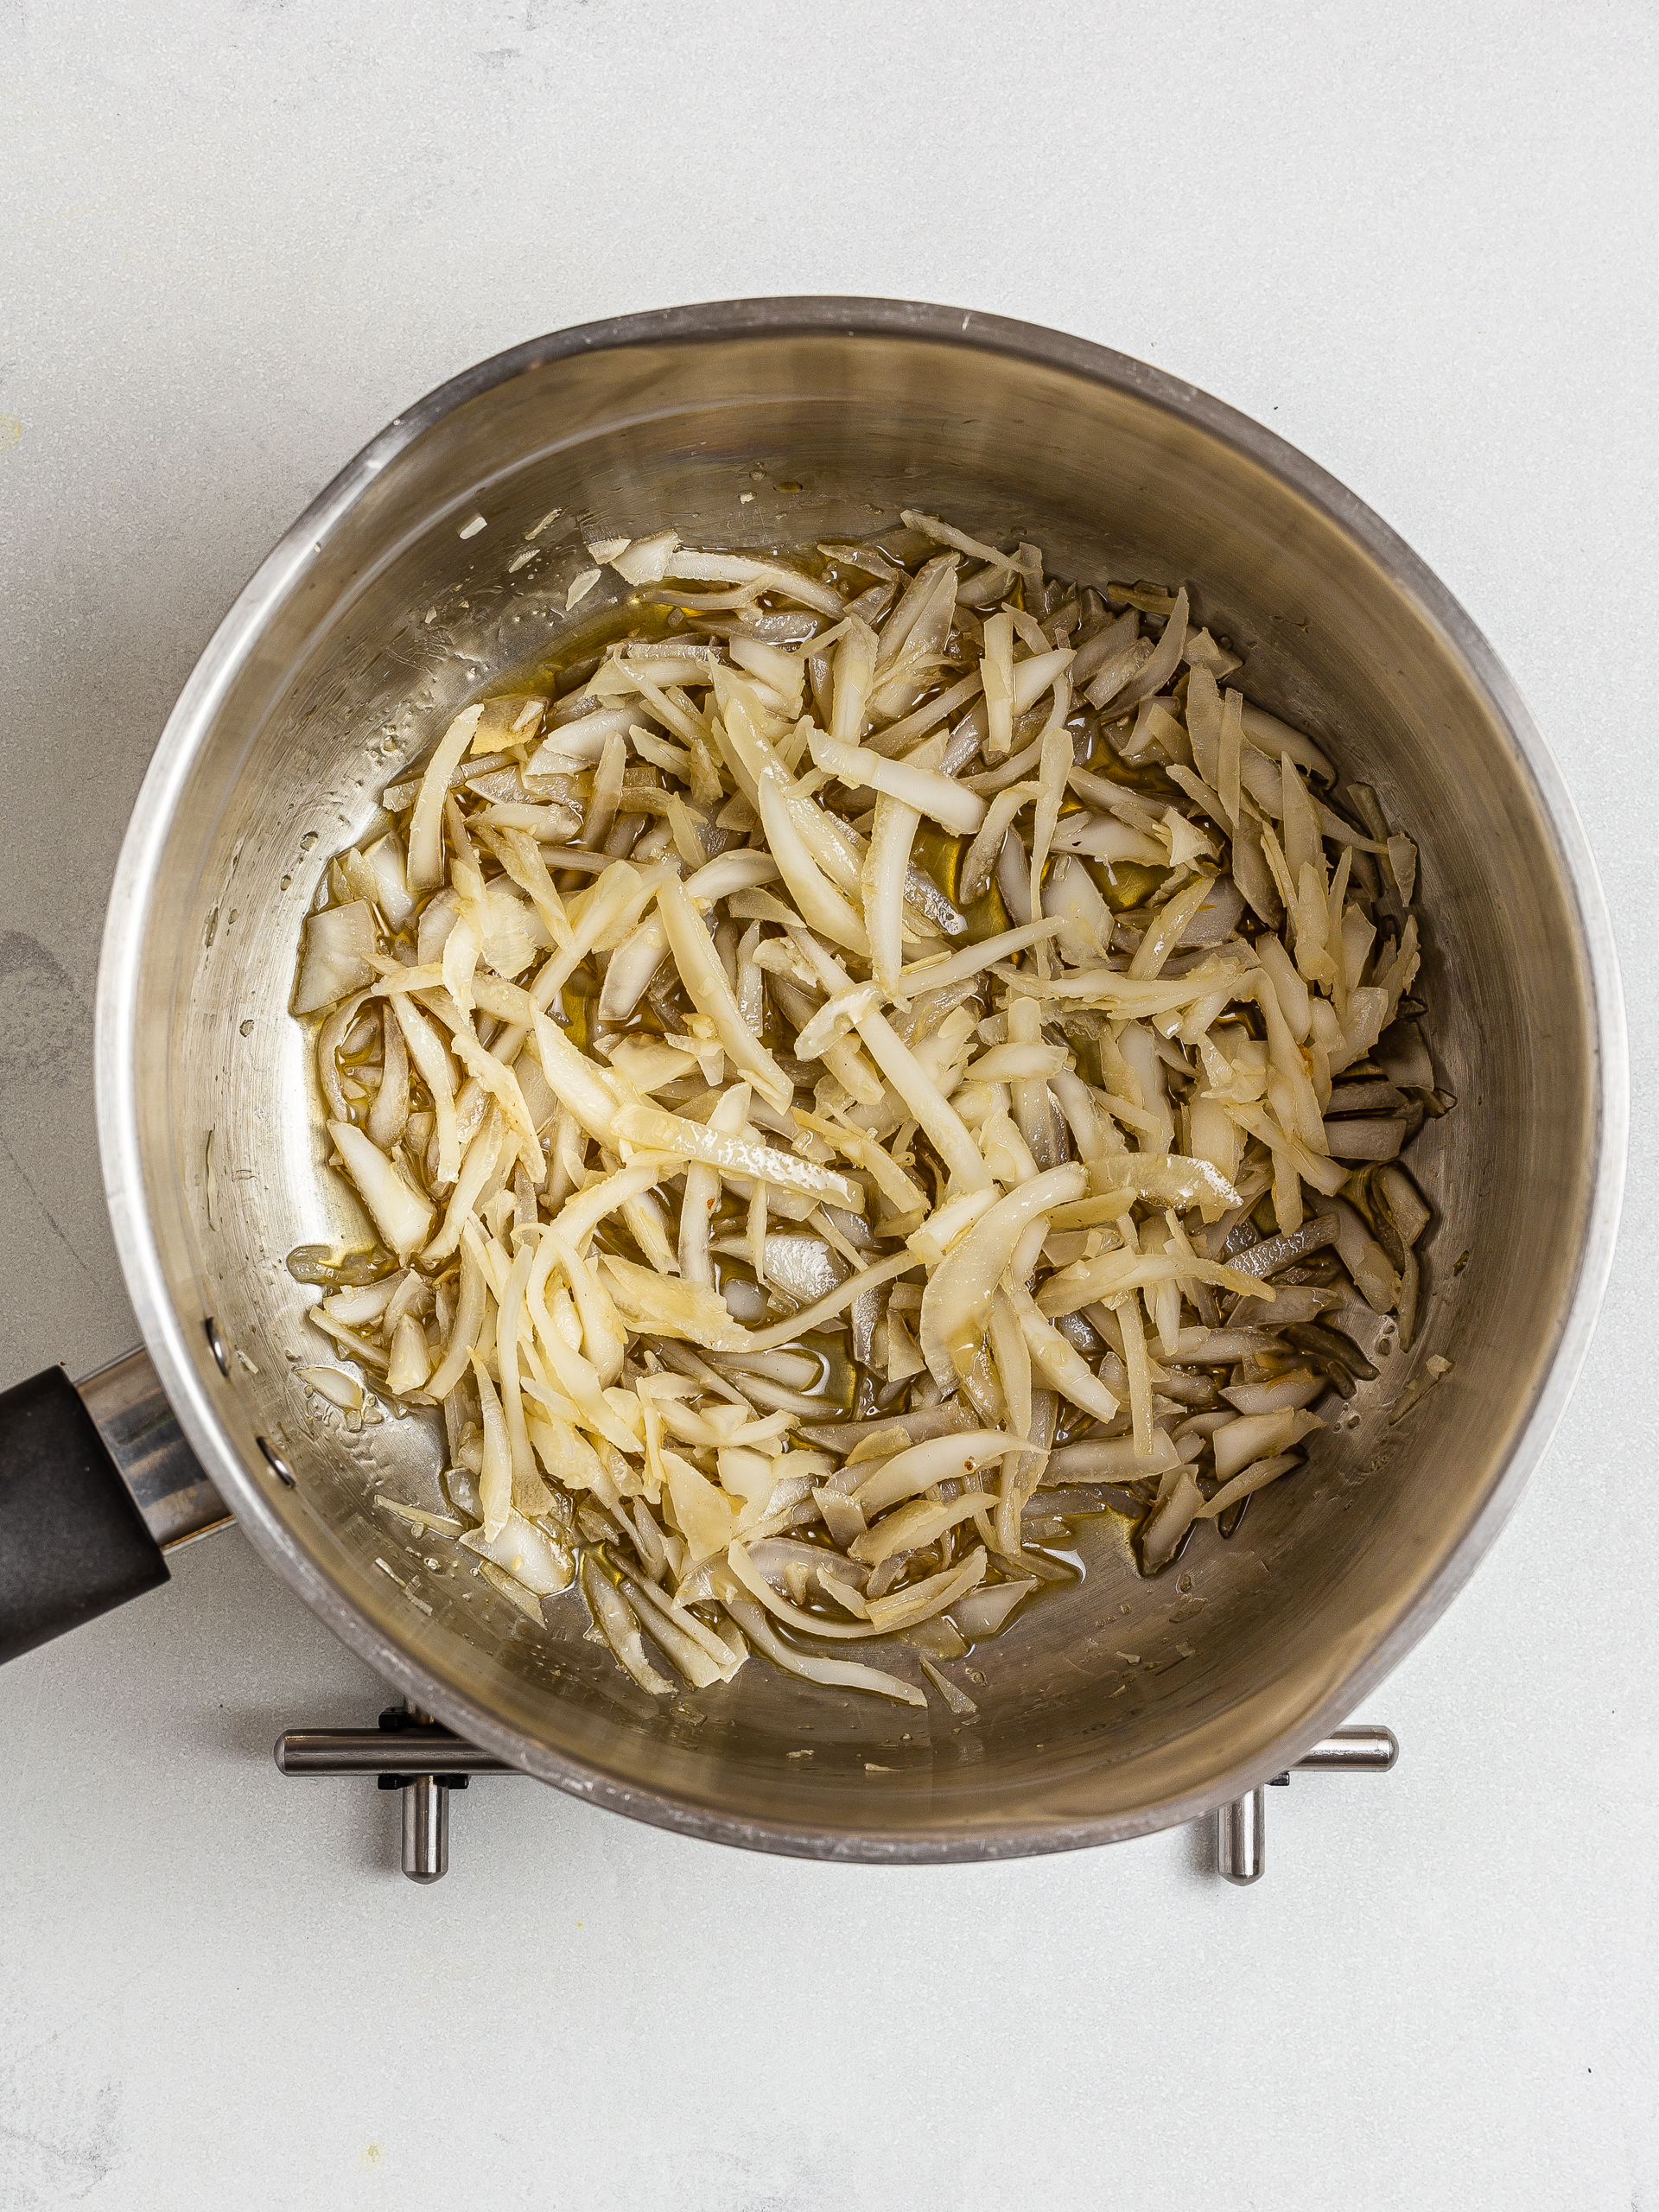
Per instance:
x=235, y=240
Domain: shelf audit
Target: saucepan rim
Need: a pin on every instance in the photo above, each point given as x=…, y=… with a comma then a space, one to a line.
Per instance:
x=165, y=1331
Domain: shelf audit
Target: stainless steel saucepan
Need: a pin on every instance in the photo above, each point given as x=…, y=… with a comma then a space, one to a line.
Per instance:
x=389, y=602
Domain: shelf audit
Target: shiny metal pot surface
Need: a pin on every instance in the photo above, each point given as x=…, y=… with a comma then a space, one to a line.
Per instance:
x=1121, y=1705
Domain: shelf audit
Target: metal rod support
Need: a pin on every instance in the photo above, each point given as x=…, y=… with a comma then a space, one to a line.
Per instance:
x=1242, y=1846
x=1241, y=1830
x=370, y=1751
x=426, y=1828
x=1351, y=1751
x=422, y=1754
x=408, y=1754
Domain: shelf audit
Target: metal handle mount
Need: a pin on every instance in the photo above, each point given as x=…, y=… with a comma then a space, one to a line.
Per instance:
x=1242, y=1844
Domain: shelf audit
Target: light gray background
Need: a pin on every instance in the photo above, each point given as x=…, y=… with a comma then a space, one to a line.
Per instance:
x=1418, y=241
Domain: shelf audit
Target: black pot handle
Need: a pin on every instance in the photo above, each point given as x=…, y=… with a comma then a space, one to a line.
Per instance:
x=95, y=1483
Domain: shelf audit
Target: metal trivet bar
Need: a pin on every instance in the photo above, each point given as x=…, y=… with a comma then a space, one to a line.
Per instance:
x=1241, y=1839
x=408, y=1752
x=411, y=1754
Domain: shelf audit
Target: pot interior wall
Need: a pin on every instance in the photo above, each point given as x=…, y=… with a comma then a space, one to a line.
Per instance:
x=1119, y=1703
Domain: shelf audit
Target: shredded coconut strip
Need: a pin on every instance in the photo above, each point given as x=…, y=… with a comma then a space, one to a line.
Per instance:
x=653, y=1130
x=837, y=1673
